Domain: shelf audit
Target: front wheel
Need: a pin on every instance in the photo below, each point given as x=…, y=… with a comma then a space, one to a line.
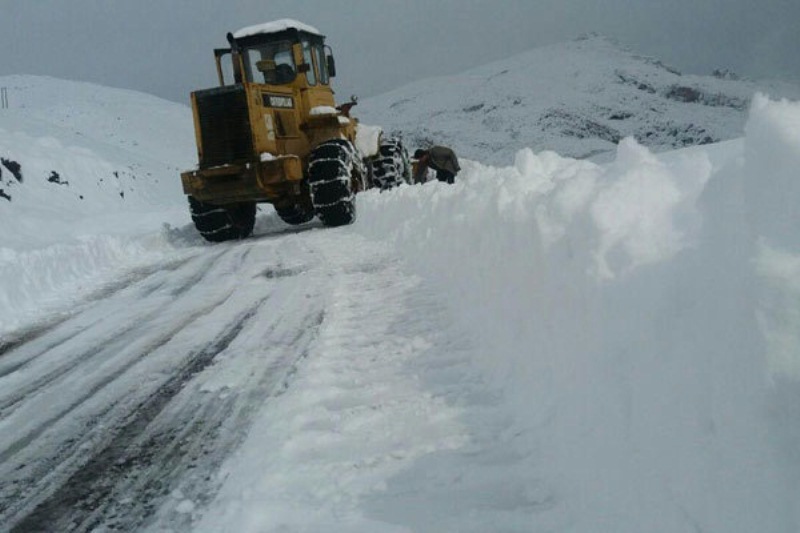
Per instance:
x=331, y=172
x=218, y=223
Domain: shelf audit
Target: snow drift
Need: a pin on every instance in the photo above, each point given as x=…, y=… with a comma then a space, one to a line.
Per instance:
x=641, y=317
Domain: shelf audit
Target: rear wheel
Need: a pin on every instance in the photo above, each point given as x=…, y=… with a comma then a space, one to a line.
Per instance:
x=391, y=167
x=218, y=223
x=331, y=172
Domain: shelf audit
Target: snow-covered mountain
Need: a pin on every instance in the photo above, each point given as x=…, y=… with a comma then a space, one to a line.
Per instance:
x=578, y=99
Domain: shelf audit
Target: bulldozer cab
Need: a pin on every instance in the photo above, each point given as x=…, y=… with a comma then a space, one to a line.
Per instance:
x=277, y=57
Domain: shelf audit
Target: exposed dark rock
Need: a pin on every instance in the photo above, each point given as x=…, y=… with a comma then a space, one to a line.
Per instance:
x=725, y=74
x=664, y=66
x=627, y=79
x=3, y=194
x=692, y=95
x=683, y=94
x=675, y=135
x=579, y=127
x=13, y=167
x=56, y=178
x=473, y=108
x=620, y=115
x=722, y=100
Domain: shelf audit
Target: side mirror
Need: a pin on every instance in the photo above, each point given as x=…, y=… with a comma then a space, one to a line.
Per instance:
x=331, y=66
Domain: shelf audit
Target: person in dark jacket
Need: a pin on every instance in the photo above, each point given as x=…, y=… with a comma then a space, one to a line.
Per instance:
x=439, y=158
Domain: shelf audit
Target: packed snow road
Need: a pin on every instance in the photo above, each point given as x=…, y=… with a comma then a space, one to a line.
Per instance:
x=119, y=415
x=104, y=411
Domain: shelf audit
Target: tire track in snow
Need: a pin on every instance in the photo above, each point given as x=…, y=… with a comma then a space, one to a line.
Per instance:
x=209, y=431
x=103, y=341
x=86, y=394
x=83, y=485
x=28, y=473
x=13, y=366
x=78, y=487
x=93, y=482
x=49, y=327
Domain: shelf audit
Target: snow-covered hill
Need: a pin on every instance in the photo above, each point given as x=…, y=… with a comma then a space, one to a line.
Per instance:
x=82, y=168
x=578, y=98
x=74, y=150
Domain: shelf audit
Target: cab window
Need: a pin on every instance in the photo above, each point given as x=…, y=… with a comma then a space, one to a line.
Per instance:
x=270, y=63
x=324, y=78
x=308, y=60
x=225, y=65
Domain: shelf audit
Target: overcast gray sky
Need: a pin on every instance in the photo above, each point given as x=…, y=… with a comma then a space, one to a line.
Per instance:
x=164, y=47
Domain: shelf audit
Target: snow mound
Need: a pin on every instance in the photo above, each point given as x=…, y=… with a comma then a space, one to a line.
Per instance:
x=641, y=316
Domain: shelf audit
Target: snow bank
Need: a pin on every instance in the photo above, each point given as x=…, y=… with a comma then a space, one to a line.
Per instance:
x=95, y=182
x=39, y=283
x=617, y=307
x=772, y=160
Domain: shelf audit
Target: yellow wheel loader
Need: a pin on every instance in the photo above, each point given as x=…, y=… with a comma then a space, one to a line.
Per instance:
x=272, y=133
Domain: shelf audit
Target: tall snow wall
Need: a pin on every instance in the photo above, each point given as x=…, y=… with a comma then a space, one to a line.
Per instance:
x=641, y=317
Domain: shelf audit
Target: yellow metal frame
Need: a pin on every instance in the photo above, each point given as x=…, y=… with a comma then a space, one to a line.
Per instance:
x=288, y=135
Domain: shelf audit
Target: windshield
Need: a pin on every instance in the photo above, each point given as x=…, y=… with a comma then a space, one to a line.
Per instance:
x=270, y=63
x=309, y=60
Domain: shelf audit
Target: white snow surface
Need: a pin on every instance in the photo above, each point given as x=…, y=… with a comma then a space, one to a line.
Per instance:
x=118, y=155
x=275, y=26
x=550, y=344
x=323, y=110
x=368, y=139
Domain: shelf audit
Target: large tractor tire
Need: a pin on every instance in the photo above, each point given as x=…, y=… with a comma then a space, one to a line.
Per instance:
x=391, y=166
x=295, y=214
x=331, y=174
x=223, y=223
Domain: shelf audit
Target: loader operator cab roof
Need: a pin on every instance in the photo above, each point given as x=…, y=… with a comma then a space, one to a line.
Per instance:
x=268, y=56
x=277, y=26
